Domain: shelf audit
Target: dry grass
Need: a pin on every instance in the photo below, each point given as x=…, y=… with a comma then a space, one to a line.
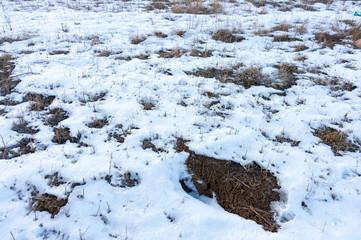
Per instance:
x=245, y=191
x=14, y=39
x=98, y=123
x=22, y=127
x=138, y=39
x=337, y=140
x=197, y=7
x=160, y=34
x=172, y=53
x=147, y=104
x=56, y=116
x=226, y=36
x=285, y=38
x=62, y=135
x=24, y=146
x=204, y=53
x=40, y=102
x=7, y=82
x=300, y=47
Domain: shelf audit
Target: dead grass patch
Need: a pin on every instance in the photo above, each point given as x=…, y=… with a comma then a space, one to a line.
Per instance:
x=246, y=191
x=7, y=82
x=282, y=139
x=98, y=123
x=197, y=7
x=58, y=52
x=147, y=104
x=55, y=179
x=40, y=101
x=49, y=203
x=300, y=47
x=203, y=54
x=138, y=39
x=226, y=36
x=24, y=146
x=92, y=97
x=158, y=4
x=181, y=33
x=284, y=27
x=123, y=180
x=329, y=40
x=337, y=140
x=287, y=74
x=285, y=38
x=172, y=53
x=56, y=116
x=14, y=39
x=160, y=34
x=62, y=135
x=22, y=127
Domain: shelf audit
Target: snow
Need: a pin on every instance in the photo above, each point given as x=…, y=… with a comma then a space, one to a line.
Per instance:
x=242, y=130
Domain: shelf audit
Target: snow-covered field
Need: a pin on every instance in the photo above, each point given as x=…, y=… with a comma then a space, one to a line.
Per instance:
x=94, y=95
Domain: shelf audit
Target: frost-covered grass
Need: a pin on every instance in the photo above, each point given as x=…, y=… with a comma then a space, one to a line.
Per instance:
x=94, y=95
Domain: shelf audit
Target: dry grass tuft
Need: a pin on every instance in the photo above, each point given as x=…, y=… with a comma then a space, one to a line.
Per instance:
x=204, y=54
x=49, y=203
x=172, y=53
x=337, y=140
x=226, y=36
x=138, y=39
x=7, y=66
x=56, y=116
x=22, y=127
x=246, y=191
x=160, y=34
x=24, y=146
x=197, y=7
x=285, y=38
x=40, y=102
x=62, y=135
x=98, y=123
x=147, y=104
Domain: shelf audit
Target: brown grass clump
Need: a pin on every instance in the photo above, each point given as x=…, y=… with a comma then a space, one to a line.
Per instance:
x=284, y=27
x=337, y=140
x=220, y=74
x=24, y=146
x=40, y=102
x=57, y=52
x=282, y=139
x=123, y=180
x=246, y=191
x=300, y=47
x=172, y=53
x=57, y=115
x=160, y=34
x=13, y=39
x=138, y=39
x=204, y=54
x=7, y=66
x=285, y=38
x=147, y=104
x=22, y=127
x=98, y=123
x=226, y=36
x=329, y=40
x=197, y=7
x=49, y=203
x=286, y=73
x=62, y=135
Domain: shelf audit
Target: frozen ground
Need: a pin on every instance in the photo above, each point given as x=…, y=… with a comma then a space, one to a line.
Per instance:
x=122, y=77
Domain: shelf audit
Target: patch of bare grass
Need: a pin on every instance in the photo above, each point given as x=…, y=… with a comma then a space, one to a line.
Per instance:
x=62, y=135
x=49, y=203
x=226, y=36
x=337, y=140
x=138, y=39
x=160, y=34
x=98, y=123
x=197, y=7
x=285, y=38
x=24, y=146
x=21, y=126
x=7, y=81
x=197, y=53
x=172, y=53
x=147, y=104
x=123, y=180
x=40, y=101
x=247, y=191
x=56, y=116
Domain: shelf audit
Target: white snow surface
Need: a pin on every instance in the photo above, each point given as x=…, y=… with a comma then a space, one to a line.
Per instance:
x=236, y=124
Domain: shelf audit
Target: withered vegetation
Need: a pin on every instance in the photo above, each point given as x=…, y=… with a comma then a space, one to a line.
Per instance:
x=246, y=191
x=337, y=140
